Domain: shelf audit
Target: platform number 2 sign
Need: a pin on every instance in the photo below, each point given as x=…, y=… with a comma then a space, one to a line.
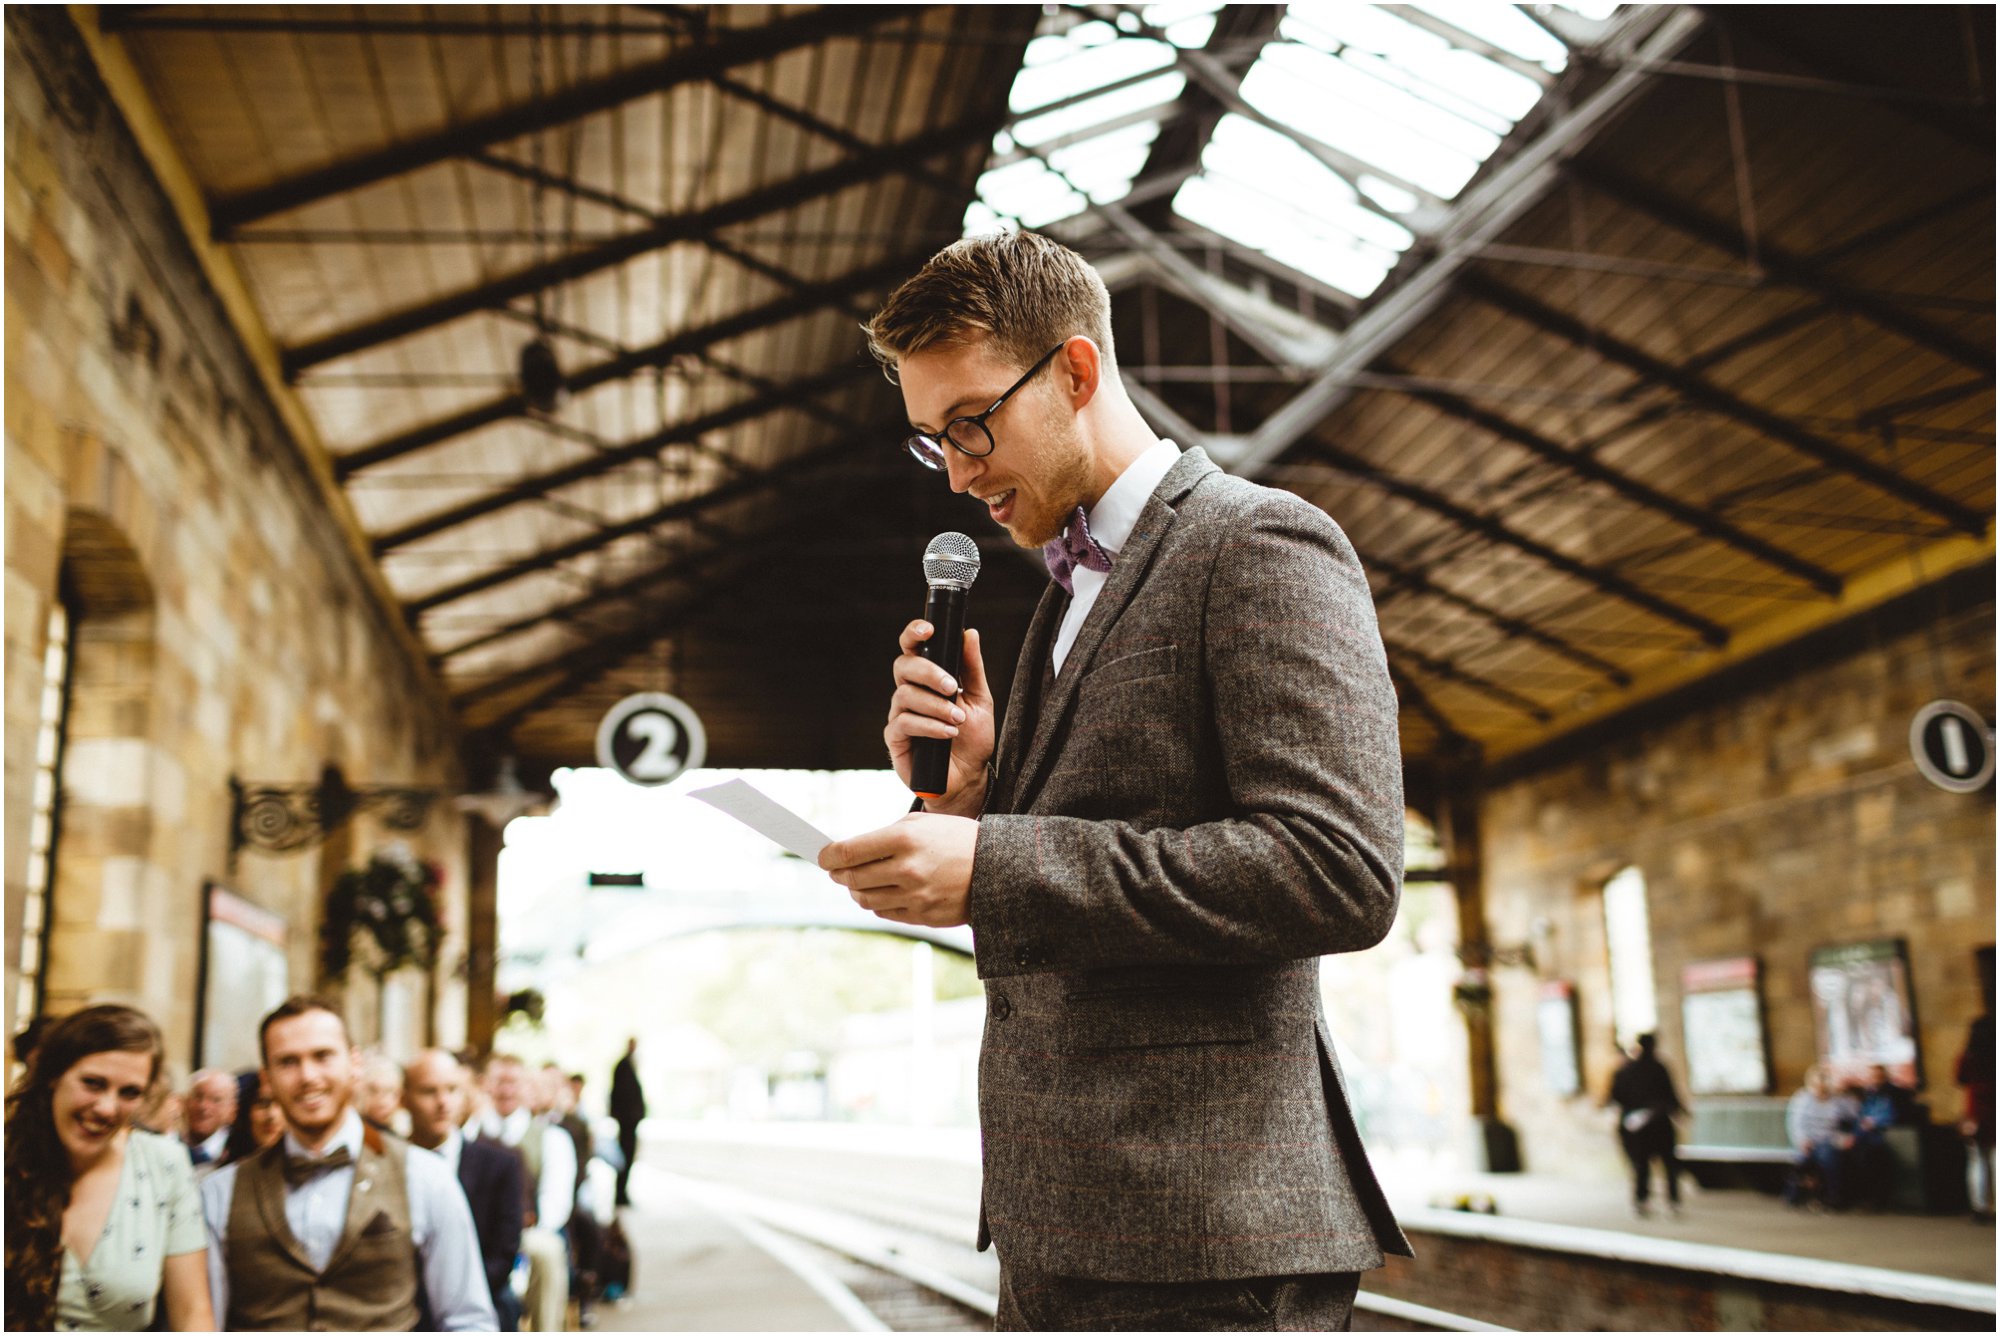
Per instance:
x=650, y=738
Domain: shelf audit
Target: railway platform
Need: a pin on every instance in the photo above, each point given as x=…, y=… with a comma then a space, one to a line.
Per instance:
x=696, y=1268
x=816, y=1227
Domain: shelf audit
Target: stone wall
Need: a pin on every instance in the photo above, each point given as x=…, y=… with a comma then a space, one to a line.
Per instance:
x=224, y=628
x=1777, y=817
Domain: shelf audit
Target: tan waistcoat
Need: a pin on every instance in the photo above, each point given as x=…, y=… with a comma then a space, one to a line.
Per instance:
x=371, y=1281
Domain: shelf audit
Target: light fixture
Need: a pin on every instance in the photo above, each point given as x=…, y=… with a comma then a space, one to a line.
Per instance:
x=507, y=799
x=541, y=377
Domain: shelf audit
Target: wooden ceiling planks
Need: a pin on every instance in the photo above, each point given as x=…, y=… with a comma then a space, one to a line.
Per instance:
x=1607, y=445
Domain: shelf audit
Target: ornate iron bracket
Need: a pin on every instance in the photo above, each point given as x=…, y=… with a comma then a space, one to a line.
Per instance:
x=285, y=818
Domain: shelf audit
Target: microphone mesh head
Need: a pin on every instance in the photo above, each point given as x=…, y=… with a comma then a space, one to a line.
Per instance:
x=952, y=559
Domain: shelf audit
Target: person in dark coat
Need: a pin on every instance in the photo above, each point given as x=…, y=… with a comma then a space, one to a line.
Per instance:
x=1975, y=1077
x=493, y=1176
x=628, y=1109
x=1647, y=1104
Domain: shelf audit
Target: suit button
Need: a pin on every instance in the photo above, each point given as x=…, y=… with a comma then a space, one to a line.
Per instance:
x=1001, y=1007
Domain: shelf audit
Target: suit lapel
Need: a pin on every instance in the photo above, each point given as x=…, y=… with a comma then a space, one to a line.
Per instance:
x=1024, y=696
x=1128, y=573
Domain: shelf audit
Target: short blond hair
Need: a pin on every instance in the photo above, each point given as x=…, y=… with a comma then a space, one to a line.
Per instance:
x=1023, y=291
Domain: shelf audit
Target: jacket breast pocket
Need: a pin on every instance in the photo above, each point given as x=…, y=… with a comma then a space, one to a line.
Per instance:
x=1155, y=662
x=1104, y=1021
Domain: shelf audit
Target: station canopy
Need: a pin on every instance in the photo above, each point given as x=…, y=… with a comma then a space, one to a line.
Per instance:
x=1625, y=342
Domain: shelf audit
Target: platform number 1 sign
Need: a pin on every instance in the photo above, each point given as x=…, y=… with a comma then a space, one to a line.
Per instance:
x=1952, y=745
x=650, y=738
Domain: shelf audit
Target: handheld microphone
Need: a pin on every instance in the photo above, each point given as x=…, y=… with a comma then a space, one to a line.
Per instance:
x=951, y=564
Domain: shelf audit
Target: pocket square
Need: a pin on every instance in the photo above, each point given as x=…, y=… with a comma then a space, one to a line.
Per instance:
x=380, y=1225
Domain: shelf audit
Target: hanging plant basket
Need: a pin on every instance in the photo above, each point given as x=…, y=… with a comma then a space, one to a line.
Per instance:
x=390, y=908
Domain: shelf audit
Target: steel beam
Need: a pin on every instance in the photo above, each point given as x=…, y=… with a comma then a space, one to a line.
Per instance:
x=1451, y=672
x=777, y=311
x=585, y=663
x=728, y=49
x=1480, y=216
x=1412, y=579
x=1464, y=41
x=1580, y=465
x=1697, y=389
x=1782, y=265
x=613, y=457
x=667, y=230
x=1488, y=527
x=1971, y=125
x=744, y=485
x=1403, y=577
x=1410, y=694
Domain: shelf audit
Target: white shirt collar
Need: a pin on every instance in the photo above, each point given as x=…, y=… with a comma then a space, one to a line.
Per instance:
x=451, y=1148
x=1116, y=513
x=349, y=1136
x=515, y=1125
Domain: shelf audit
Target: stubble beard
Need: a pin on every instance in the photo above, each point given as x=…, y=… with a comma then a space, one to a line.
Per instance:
x=339, y=1101
x=1068, y=476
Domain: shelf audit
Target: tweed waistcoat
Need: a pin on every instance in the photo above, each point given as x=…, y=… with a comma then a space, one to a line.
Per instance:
x=371, y=1281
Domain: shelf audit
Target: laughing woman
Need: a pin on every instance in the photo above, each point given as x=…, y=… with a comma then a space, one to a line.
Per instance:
x=101, y=1217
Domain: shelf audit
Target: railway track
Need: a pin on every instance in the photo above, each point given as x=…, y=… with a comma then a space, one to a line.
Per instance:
x=889, y=1243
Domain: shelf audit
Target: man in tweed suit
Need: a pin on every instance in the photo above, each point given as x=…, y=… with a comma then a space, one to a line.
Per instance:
x=1197, y=792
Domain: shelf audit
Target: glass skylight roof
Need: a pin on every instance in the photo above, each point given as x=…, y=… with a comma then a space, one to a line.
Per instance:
x=1346, y=139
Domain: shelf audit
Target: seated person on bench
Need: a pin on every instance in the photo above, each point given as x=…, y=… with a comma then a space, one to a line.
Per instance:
x=1820, y=1122
x=1881, y=1105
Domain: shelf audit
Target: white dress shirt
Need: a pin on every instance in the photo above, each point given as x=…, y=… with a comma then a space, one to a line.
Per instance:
x=451, y=1150
x=555, y=1194
x=1111, y=522
x=210, y=1146
x=454, y=1274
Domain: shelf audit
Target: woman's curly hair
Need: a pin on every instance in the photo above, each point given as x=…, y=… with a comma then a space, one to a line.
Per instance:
x=38, y=1168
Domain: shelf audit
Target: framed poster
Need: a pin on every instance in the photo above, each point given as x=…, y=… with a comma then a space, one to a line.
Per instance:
x=1555, y=1021
x=244, y=974
x=1722, y=1028
x=1863, y=1013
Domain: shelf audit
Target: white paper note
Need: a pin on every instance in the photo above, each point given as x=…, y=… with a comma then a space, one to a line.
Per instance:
x=767, y=817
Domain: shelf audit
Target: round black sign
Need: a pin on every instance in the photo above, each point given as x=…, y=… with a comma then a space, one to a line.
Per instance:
x=1953, y=746
x=650, y=738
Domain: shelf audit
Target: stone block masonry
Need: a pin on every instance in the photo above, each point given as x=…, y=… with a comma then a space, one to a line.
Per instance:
x=222, y=626
x=1772, y=819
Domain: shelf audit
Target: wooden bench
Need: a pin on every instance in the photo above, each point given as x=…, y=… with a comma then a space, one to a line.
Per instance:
x=1738, y=1141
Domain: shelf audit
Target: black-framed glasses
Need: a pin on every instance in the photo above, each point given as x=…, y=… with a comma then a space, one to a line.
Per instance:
x=969, y=435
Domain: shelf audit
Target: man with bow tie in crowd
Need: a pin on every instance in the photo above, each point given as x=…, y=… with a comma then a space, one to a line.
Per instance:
x=337, y=1226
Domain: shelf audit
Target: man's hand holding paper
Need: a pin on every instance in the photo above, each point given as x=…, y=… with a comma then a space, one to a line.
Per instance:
x=917, y=870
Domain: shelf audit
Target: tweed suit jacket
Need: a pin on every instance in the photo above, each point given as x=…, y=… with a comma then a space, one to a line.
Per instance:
x=1208, y=799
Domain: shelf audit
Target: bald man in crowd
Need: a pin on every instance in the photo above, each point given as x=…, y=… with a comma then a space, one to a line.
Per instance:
x=495, y=1181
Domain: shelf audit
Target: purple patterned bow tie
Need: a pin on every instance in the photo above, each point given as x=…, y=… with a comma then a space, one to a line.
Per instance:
x=1074, y=547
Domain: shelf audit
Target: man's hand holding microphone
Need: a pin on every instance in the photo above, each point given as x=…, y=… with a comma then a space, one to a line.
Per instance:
x=919, y=869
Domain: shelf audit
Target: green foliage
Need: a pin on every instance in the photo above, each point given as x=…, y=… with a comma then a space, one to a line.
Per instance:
x=390, y=905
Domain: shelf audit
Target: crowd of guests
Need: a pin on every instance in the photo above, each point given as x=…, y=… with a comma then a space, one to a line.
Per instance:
x=327, y=1190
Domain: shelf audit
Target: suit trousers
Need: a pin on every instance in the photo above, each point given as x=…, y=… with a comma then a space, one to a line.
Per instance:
x=547, y=1300
x=1037, y=1301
